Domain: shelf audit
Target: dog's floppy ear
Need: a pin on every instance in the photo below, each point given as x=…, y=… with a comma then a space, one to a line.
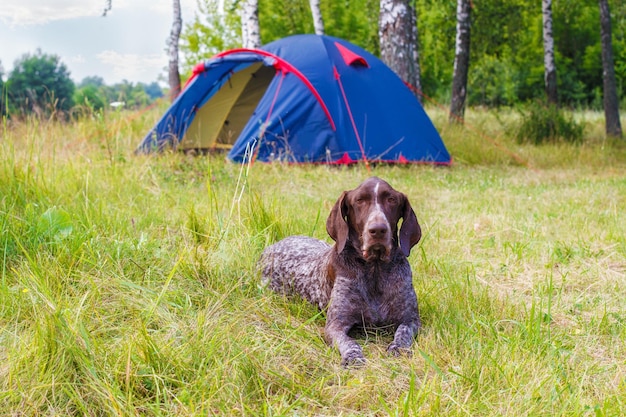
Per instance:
x=336, y=225
x=410, y=231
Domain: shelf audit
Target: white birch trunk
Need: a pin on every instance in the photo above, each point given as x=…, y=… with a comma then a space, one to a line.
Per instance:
x=173, y=73
x=461, y=61
x=250, y=30
x=548, y=53
x=318, y=22
x=397, y=33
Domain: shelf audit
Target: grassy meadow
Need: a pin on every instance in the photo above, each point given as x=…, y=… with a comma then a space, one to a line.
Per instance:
x=128, y=284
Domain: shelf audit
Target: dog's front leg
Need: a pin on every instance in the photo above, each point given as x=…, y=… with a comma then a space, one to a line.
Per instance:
x=404, y=336
x=336, y=334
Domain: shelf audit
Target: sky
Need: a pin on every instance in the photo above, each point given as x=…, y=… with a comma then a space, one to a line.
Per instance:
x=128, y=44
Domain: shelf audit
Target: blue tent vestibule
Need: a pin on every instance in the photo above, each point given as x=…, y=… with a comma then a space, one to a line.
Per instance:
x=304, y=98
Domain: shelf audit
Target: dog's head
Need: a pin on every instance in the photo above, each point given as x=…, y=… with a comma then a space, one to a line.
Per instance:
x=368, y=217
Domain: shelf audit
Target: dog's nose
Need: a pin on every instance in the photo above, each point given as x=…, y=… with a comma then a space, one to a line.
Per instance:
x=377, y=230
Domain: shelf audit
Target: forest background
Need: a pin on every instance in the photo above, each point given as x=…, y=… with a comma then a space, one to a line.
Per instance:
x=506, y=53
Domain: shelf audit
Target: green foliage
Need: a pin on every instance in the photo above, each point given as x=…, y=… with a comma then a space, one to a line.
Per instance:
x=354, y=20
x=212, y=31
x=3, y=93
x=95, y=81
x=54, y=223
x=94, y=96
x=542, y=123
x=134, y=95
x=436, y=46
x=90, y=98
x=506, y=64
x=579, y=59
x=40, y=83
x=619, y=46
x=492, y=84
x=152, y=90
x=279, y=18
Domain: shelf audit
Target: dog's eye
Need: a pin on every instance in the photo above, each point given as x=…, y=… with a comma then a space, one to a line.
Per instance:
x=392, y=200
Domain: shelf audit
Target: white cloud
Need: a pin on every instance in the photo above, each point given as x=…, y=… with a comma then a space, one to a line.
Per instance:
x=77, y=59
x=132, y=66
x=32, y=12
x=132, y=36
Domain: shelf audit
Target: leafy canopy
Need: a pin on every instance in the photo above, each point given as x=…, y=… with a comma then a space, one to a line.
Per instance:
x=40, y=83
x=506, y=62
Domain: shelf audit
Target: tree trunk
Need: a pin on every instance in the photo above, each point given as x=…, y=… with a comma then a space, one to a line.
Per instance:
x=397, y=32
x=318, y=22
x=548, y=53
x=173, y=74
x=108, y=5
x=250, y=30
x=417, y=84
x=611, y=101
x=461, y=61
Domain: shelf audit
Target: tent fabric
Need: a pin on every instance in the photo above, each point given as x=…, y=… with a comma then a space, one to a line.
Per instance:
x=304, y=98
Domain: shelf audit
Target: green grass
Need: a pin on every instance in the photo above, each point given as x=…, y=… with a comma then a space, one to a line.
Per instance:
x=128, y=284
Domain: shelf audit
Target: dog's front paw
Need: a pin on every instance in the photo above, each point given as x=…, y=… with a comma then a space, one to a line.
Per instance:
x=397, y=350
x=353, y=358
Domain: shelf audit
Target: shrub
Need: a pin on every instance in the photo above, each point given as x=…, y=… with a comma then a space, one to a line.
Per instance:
x=541, y=123
x=40, y=84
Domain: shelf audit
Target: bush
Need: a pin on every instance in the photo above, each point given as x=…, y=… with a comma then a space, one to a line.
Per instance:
x=40, y=84
x=542, y=123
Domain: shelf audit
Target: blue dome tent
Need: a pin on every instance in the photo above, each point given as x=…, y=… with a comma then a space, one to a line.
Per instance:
x=304, y=98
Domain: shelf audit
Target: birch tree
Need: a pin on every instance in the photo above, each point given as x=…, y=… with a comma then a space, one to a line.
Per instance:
x=397, y=33
x=548, y=53
x=173, y=73
x=250, y=30
x=611, y=101
x=461, y=61
x=318, y=22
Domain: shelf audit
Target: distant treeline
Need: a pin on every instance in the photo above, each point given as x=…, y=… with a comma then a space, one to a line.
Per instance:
x=40, y=84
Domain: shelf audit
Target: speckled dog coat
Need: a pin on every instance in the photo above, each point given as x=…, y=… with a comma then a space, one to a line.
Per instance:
x=364, y=279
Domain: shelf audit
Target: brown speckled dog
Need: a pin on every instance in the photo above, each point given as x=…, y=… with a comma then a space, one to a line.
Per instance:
x=364, y=280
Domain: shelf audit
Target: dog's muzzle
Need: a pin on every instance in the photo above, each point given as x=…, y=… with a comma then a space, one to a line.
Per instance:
x=377, y=252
